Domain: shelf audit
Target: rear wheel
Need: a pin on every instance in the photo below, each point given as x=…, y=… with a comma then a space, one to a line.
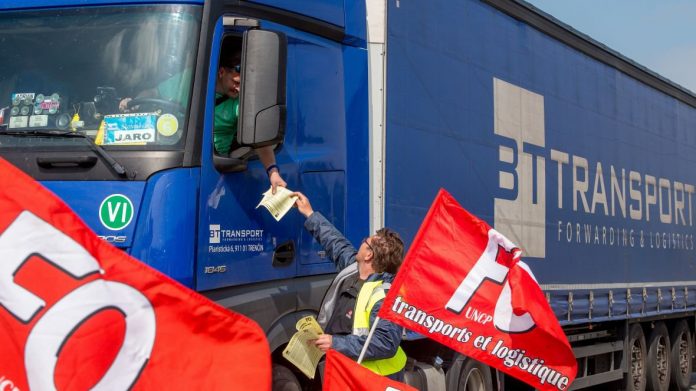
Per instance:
x=469, y=375
x=680, y=356
x=634, y=379
x=658, y=371
x=477, y=377
x=284, y=379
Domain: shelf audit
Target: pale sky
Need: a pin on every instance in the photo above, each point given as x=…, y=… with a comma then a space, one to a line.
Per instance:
x=658, y=34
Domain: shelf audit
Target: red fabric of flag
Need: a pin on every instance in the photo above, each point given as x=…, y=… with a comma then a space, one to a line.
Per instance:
x=462, y=284
x=76, y=313
x=344, y=374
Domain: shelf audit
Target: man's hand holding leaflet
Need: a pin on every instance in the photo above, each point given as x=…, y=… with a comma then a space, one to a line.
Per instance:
x=301, y=350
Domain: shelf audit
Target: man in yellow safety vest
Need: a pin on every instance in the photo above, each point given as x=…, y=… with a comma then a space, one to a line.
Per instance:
x=356, y=294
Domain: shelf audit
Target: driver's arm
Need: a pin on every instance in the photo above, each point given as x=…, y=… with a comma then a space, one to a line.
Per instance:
x=149, y=93
x=267, y=157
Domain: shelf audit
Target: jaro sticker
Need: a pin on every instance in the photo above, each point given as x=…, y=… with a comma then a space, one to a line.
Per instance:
x=129, y=129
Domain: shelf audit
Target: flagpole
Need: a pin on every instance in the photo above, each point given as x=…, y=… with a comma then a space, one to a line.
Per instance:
x=367, y=341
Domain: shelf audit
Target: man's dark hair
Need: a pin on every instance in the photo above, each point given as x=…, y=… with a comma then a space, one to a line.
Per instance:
x=389, y=251
x=230, y=52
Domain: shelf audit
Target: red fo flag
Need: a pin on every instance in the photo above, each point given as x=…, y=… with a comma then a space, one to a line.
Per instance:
x=76, y=313
x=344, y=374
x=463, y=285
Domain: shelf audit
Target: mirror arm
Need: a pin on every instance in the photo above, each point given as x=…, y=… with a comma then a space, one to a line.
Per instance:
x=229, y=164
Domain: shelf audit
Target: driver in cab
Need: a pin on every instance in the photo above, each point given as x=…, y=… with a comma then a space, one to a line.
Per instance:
x=227, y=86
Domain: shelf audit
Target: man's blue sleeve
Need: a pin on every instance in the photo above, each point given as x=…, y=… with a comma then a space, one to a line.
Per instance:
x=337, y=247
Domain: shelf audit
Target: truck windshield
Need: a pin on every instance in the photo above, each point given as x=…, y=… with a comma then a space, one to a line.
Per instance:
x=119, y=75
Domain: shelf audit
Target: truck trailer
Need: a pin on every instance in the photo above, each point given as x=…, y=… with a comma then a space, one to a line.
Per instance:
x=579, y=155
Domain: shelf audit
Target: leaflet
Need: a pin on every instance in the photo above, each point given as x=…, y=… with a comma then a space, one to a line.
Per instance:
x=300, y=351
x=278, y=204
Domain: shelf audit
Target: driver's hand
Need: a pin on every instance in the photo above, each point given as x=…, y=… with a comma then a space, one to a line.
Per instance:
x=276, y=180
x=123, y=104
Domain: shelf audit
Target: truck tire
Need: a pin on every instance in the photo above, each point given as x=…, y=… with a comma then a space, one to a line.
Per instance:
x=469, y=375
x=635, y=353
x=658, y=372
x=284, y=379
x=680, y=356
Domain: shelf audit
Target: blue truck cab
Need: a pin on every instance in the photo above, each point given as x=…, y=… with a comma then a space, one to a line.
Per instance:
x=579, y=155
x=148, y=179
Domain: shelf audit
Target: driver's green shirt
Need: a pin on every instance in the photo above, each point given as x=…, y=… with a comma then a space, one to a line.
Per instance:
x=225, y=126
x=177, y=88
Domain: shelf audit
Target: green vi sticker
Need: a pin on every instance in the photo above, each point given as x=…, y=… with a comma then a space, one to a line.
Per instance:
x=116, y=212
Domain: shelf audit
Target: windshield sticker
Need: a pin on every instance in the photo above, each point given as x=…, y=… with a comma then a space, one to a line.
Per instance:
x=116, y=212
x=49, y=105
x=38, y=121
x=129, y=129
x=18, y=122
x=167, y=125
x=20, y=97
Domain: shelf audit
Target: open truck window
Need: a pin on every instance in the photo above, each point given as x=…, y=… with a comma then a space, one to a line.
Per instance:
x=249, y=106
x=227, y=87
x=119, y=75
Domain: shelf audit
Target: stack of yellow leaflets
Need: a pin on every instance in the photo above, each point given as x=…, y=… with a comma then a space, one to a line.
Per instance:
x=300, y=351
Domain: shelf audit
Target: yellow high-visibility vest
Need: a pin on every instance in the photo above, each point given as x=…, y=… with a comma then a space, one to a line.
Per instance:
x=370, y=293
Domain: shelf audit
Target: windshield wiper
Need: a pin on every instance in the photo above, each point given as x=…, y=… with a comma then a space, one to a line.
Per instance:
x=116, y=166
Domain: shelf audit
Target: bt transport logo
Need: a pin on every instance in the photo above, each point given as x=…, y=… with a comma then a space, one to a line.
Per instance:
x=116, y=212
x=224, y=240
x=646, y=211
x=217, y=234
x=214, y=233
x=520, y=214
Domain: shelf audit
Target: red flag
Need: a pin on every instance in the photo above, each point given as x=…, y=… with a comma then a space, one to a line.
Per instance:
x=77, y=313
x=344, y=374
x=463, y=285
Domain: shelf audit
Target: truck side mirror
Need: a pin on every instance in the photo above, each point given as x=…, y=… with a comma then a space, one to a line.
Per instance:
x=262, y=97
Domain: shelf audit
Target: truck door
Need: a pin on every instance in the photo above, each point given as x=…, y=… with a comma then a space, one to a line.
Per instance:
x=238, y=243
x=236, y=240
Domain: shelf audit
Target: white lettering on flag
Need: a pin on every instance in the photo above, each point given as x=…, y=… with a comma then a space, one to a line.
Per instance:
x=486, y=268
x=28, y=236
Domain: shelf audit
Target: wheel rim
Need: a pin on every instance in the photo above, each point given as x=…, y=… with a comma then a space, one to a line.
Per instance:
x=683, y=355
x=662, y=360
x=636, y=364
x=474, y=380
